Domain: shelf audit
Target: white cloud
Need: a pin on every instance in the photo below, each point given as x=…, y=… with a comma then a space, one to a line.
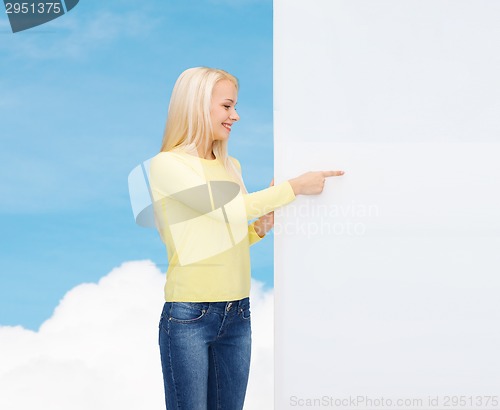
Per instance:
x=99, y=350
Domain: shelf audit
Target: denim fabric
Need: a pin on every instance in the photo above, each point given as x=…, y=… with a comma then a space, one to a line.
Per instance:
x=205, y=354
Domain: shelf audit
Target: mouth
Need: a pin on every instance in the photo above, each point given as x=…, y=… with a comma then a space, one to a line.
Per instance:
x=227, y=126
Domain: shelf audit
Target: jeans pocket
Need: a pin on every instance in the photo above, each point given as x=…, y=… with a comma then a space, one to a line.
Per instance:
x=244, y=312
x=186, y=312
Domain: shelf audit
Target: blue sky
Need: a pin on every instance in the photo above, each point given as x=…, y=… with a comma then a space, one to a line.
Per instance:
x=83, y=100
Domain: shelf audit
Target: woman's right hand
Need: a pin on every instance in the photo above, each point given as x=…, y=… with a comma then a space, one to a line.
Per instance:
x=312, y=183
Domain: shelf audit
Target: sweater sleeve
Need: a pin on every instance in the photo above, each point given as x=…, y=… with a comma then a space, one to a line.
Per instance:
x=266, y=200
x=253, y=236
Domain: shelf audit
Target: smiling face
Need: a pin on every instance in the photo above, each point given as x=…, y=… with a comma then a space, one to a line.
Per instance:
x=222, y=109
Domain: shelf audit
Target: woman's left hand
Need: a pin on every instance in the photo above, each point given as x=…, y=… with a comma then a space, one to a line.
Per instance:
x=266, y=222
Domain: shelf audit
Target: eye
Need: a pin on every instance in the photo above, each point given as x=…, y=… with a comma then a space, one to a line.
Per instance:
x=227, y=107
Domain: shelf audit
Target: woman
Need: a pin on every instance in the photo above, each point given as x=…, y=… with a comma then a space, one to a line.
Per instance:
x=202, y=209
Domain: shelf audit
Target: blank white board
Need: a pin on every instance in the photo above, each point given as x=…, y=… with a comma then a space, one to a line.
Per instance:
x=387, y=285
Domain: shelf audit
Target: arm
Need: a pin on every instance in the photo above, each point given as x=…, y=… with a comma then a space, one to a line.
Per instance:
x=262, y=202
x=257, y=204
x=266, y=200
x=180, y=193
x=253, y=236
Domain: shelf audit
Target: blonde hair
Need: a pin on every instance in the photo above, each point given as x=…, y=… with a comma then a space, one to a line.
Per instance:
x=189, y=125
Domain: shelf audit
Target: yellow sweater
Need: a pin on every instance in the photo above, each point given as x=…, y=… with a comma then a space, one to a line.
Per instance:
x=202, y=217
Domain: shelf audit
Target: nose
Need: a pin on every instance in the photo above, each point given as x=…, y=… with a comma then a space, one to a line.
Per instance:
x=234, y=115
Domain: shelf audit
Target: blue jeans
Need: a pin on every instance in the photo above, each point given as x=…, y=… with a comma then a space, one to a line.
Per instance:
x=205, y=354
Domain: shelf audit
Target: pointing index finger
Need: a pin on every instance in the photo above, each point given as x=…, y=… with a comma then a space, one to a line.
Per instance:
x=332, y=173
